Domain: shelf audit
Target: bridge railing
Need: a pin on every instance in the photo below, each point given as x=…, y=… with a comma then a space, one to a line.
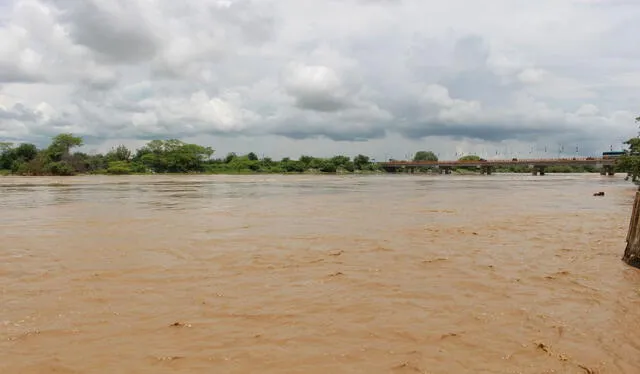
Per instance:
x=500, y=161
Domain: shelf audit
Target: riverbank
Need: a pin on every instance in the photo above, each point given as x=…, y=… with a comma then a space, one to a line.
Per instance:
x=174, y=156
x=306, y=172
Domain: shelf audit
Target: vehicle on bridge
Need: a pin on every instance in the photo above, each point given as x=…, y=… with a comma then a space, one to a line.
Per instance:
x=613, y=154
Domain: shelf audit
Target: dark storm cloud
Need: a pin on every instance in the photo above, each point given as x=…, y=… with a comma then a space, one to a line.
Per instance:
x=320, y=103
x=333, y=133
x=114, y=32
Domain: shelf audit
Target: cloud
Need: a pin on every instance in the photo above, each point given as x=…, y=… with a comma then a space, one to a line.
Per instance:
x=114, y=31
x=412, y=73
x=316, y=87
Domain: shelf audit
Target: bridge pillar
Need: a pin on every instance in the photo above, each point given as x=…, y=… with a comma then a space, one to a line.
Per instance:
x=607, y=170
x=444, y=169
x=486, y=170
x=537, y=170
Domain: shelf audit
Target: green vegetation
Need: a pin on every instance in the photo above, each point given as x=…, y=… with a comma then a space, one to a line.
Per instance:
x=425, y=156
x=175, y=156
x=630, y=162
x=160, y=156
x=470, y=158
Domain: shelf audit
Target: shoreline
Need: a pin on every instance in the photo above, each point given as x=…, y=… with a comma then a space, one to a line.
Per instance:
x=455, y=172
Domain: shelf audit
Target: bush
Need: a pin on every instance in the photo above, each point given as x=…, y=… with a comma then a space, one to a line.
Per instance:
x=292, y=166
x=328, y=167
x=349, y=167
x=61, y=168
x=137, y=167
x=118, y=168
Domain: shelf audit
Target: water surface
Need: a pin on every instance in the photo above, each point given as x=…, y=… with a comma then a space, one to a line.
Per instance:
x=317, y=274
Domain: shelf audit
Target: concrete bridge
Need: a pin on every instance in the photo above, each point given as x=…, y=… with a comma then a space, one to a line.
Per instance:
x=537, y=166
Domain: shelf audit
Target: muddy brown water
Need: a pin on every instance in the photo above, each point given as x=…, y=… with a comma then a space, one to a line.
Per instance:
x=317, y=274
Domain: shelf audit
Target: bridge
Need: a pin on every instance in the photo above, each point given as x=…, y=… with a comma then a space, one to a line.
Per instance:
x=537, y=166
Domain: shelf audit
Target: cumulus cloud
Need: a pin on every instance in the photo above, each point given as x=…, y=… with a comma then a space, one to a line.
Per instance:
x=316, y=87
x=428, y=74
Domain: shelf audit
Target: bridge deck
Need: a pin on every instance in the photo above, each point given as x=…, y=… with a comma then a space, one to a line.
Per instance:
x=536, y=162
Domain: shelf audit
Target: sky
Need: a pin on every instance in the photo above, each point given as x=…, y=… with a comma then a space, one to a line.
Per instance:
x=282, y=78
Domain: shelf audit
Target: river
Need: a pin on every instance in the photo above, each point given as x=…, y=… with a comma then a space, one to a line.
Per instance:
x=317, y=274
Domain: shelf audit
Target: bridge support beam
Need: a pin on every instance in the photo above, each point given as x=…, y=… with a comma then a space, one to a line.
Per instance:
x=607, y=170
x=536, y=166
x=488, y=170
x=538, y=170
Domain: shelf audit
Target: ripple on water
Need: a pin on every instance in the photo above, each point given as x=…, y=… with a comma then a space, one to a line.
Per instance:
x=315, y=274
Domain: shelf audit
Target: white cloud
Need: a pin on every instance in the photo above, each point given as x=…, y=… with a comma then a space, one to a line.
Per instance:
x=360, y=75
x=531, y=75
x=315, y=87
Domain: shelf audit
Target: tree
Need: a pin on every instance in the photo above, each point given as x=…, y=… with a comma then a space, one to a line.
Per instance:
x=630, y=162
x=634, y=145
x=6, y=155
x=306, y=160
x=14, y=158
x=5, y=147
x=361, y=162
x=185, y=157
x=65, y=142
x=230, y=157
x=119, y=168
x=161, y=156
x=155, y=146
x=173, y=156
x=326, y=166
x=61, y=146
x=316, y=163
x=26, y=151
x=425, y=156
x=291, y=166
x=62, y=168
x=120, y=153
x=96, y=163
x=469, y=158
x=340, y=160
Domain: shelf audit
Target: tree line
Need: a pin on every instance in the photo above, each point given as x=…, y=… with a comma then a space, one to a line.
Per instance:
x=175, y=156
x=159, y=156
